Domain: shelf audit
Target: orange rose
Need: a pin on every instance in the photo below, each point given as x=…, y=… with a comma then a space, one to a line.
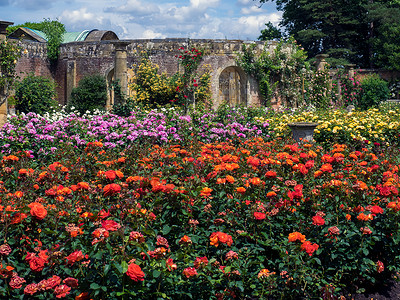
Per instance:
x=297, y=236
x=38, y=210
x=135, y=272
x=220, y=237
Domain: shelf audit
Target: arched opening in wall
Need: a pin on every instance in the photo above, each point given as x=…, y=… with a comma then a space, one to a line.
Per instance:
x=232, y=86
x=110, y=98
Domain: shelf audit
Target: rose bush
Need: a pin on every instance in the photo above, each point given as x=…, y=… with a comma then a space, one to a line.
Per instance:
x=248, y=217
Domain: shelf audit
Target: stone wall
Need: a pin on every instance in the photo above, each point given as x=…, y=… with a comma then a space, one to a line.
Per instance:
x=79, y=59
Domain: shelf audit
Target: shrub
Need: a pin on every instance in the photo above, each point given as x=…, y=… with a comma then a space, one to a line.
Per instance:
x=150, y=87
x=35, y=94
x=90, y=94
x=374, y=91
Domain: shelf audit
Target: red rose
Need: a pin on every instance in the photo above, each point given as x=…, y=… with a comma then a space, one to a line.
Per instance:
x=72, y=282
x=111, y=189
x=110, y=175
x=200, y=262
x=189, y=272
x=110, y=225
x=259, y=215
x=74, y=257
x=36, y=263
x=309, y=247
x=135, y=272
x=38, y=210
x=317, y=220
x=52, y=282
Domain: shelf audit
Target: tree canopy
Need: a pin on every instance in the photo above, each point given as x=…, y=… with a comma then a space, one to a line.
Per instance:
x=53, y=30
x=364, y=32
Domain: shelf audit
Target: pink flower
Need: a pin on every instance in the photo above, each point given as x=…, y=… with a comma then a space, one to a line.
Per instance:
x=62, y=290
x=31, y=289
x=16, y=282
x=5, y=249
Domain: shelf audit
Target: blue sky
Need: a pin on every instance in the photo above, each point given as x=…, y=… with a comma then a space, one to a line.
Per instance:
x=131, y=19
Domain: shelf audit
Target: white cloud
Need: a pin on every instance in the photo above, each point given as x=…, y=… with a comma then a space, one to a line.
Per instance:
x=251, y=10
x=204, y=3
x=248, y=27
x=135, y=7
x=77, y=19
x=150, y=34
x=244, y=2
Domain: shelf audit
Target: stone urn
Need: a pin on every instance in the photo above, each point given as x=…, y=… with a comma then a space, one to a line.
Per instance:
x=303, y=130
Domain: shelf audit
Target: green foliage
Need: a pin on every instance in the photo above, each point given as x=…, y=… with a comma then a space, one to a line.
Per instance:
x=35, y=94
x=280, y=73
x=362, y=32
x=270, y=33
x=54, y=31
x=150, y=87
x=317, y=89
x=90, y=94
x=182, y=88
x=9, y=54
x=333, y=27
x=31, y=25
x=350, y=89
x=385, y=41
x=374, y=91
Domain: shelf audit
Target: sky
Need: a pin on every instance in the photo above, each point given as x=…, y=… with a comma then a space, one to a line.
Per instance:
x=150, y=19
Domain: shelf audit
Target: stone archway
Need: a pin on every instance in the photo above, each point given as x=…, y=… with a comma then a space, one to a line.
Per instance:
x=232, y=86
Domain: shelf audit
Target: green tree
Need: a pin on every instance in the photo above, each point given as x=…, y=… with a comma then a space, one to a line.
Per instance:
x=31, y=25
x=337, y=27
x=365, y=32
x=35, y=94
x=90, y=94
x=384, y=19
x=53, y=30
x=270, y=33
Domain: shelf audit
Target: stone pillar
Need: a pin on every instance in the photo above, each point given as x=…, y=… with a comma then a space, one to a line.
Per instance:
x=70, y=78
x=120, y=67
x=350, y=70
x=3, y=93
x=321, y=62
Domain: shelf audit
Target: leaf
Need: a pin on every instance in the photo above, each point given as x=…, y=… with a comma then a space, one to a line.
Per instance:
x=94, y=286
x=156, y=273
x=125, y=266
x=166, y=229
x=106, y=269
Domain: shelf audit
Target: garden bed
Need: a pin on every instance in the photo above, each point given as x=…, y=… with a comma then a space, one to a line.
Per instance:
x=250, y=217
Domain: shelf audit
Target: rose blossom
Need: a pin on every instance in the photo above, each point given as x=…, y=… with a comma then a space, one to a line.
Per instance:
x=16, y=282
x=135, y=272
x=62, y=290
x=5, y=249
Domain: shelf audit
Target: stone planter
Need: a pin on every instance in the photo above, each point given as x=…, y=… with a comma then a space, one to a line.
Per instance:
x=303, y=130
